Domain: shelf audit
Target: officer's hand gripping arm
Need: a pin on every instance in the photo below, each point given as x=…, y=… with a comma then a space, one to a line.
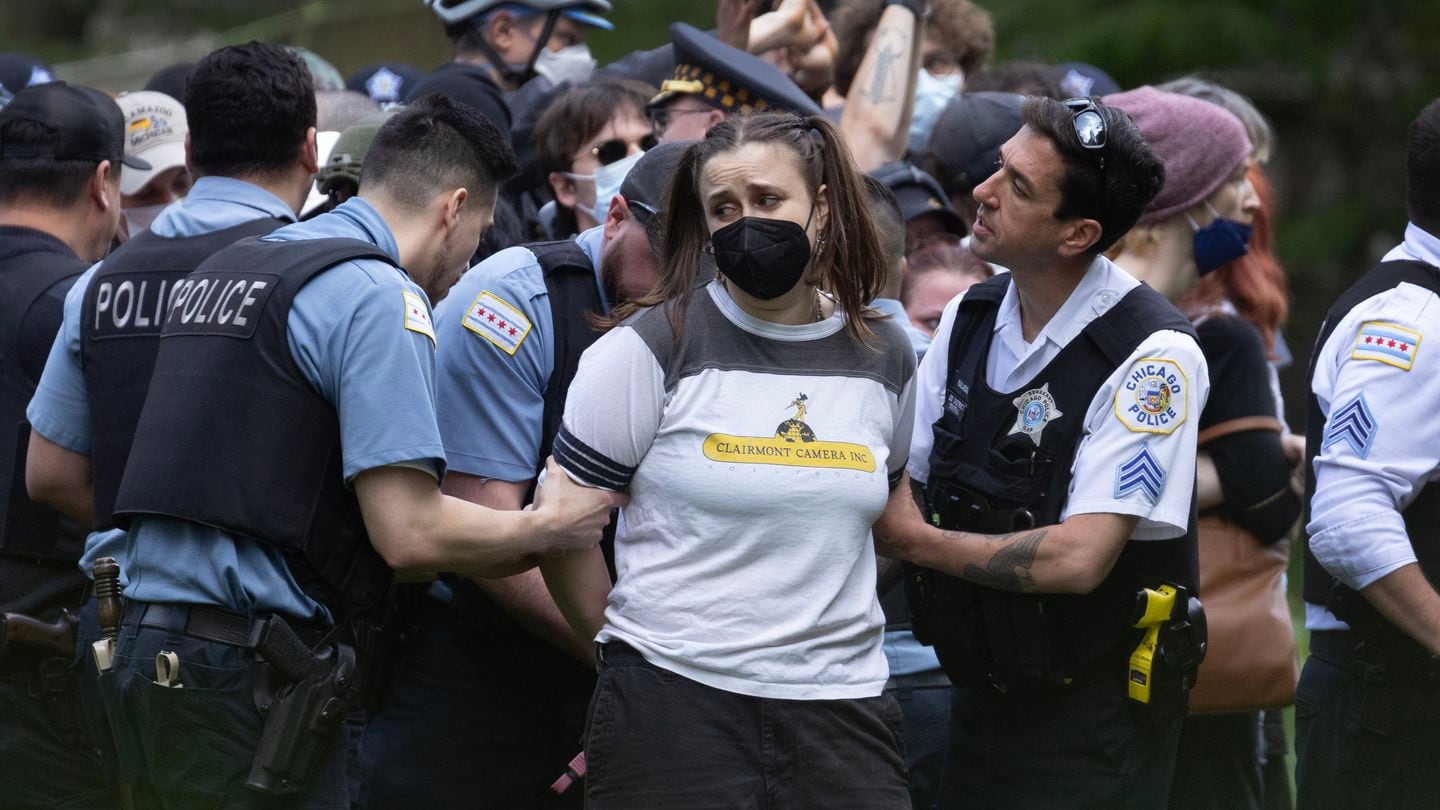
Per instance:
x=413, y=526
x=1074, y=556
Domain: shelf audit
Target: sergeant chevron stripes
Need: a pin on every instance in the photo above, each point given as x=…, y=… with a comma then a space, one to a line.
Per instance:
x=1140, y=473
x=1354, y=424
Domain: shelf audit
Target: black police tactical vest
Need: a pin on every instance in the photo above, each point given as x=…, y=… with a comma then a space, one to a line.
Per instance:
x=570, y=281
x=1422, y=515
x=27, y=529
x=242, y=442
x=983, y=479
x=124, y=307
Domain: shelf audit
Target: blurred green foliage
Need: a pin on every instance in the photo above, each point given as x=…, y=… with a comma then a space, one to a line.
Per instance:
x=1340, y=80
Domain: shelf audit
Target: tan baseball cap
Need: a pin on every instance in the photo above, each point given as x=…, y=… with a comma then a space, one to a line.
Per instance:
x=155, y=128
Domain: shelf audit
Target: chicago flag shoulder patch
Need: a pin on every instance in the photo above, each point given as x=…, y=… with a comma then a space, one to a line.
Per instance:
x=498, y=321
x=417, y=315
x=1386, y=343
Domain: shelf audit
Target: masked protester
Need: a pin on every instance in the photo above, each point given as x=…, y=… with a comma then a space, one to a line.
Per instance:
x=1199, y=223
x=758, y=423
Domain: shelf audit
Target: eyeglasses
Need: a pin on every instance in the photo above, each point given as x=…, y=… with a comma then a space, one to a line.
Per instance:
x=615, y=149
x=660, y=116
x=1089, y=126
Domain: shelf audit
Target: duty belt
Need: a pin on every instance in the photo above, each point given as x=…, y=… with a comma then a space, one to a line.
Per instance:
x=222, y=626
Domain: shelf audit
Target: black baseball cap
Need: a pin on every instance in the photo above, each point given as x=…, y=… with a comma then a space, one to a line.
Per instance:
x=965, y=144
x=919, y=194
x=644, y=188
x=88, y=125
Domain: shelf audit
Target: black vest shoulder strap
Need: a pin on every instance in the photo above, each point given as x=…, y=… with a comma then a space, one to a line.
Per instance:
x=574, y=295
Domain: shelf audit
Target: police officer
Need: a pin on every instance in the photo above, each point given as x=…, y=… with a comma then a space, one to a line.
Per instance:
x=251, y=113
x=495, y=687
x=61, y=148
x=1368, y=706
x=1059, y=474
x=287, y=459
x=339, y=178
x=712, y=81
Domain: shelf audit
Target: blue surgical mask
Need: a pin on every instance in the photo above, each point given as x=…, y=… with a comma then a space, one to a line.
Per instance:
x=607, y=183
x=932, y=93
x=1219, y=243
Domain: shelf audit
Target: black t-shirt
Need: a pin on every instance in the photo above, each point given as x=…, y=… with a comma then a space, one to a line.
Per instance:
x=1254, y=475
x=468, y=84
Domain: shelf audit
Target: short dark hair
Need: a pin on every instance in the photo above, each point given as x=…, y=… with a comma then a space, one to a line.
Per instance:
x=249, y=107
x=43, y=180
x=1422, y=167
x=1114, y=196
x=435, y=143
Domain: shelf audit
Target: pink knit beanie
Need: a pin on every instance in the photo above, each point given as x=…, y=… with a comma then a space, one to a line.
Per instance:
x=1200, y=144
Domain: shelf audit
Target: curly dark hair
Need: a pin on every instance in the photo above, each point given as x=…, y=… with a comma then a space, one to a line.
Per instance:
x=964, y=28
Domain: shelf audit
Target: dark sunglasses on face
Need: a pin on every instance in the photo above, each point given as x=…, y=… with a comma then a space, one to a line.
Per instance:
x=608, y=152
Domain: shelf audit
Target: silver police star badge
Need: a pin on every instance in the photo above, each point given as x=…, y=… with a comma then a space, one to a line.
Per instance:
x=1035, y=409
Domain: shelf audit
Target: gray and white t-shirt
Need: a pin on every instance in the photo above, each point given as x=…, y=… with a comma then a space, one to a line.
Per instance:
x=757, y=456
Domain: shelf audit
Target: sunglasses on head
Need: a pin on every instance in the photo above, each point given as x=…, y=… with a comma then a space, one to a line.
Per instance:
x=1089, y=126
x=608, y=152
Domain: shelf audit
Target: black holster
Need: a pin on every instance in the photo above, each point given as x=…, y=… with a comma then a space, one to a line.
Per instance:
x=304, y=696
x=379, y=641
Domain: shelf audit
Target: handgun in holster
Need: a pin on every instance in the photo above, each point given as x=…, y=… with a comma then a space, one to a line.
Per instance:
x=1163, y=666
x=304, y=696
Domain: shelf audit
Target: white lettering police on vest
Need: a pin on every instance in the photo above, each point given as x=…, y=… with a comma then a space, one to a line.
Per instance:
x=127, y=305
x=1152, y=398
x=217, y=301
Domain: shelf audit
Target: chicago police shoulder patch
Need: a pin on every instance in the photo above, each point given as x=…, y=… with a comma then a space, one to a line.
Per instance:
x=1386, y=343
x=1151, y=398
x=498, y=321
x=417, y=315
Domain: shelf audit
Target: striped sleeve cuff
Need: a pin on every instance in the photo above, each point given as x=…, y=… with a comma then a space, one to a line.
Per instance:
x=895, y=476
x=589, y=465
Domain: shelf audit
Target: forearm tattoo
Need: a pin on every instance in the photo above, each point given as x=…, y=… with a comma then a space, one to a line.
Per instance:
x=1009, y=567
x=890, y=45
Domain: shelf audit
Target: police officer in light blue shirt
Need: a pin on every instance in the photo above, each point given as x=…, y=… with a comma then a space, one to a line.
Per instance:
x=287, y=459
x=60, y=411
x=493, y=688
x=251, y=112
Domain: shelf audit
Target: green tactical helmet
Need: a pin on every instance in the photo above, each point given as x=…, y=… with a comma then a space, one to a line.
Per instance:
x=349, y=151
